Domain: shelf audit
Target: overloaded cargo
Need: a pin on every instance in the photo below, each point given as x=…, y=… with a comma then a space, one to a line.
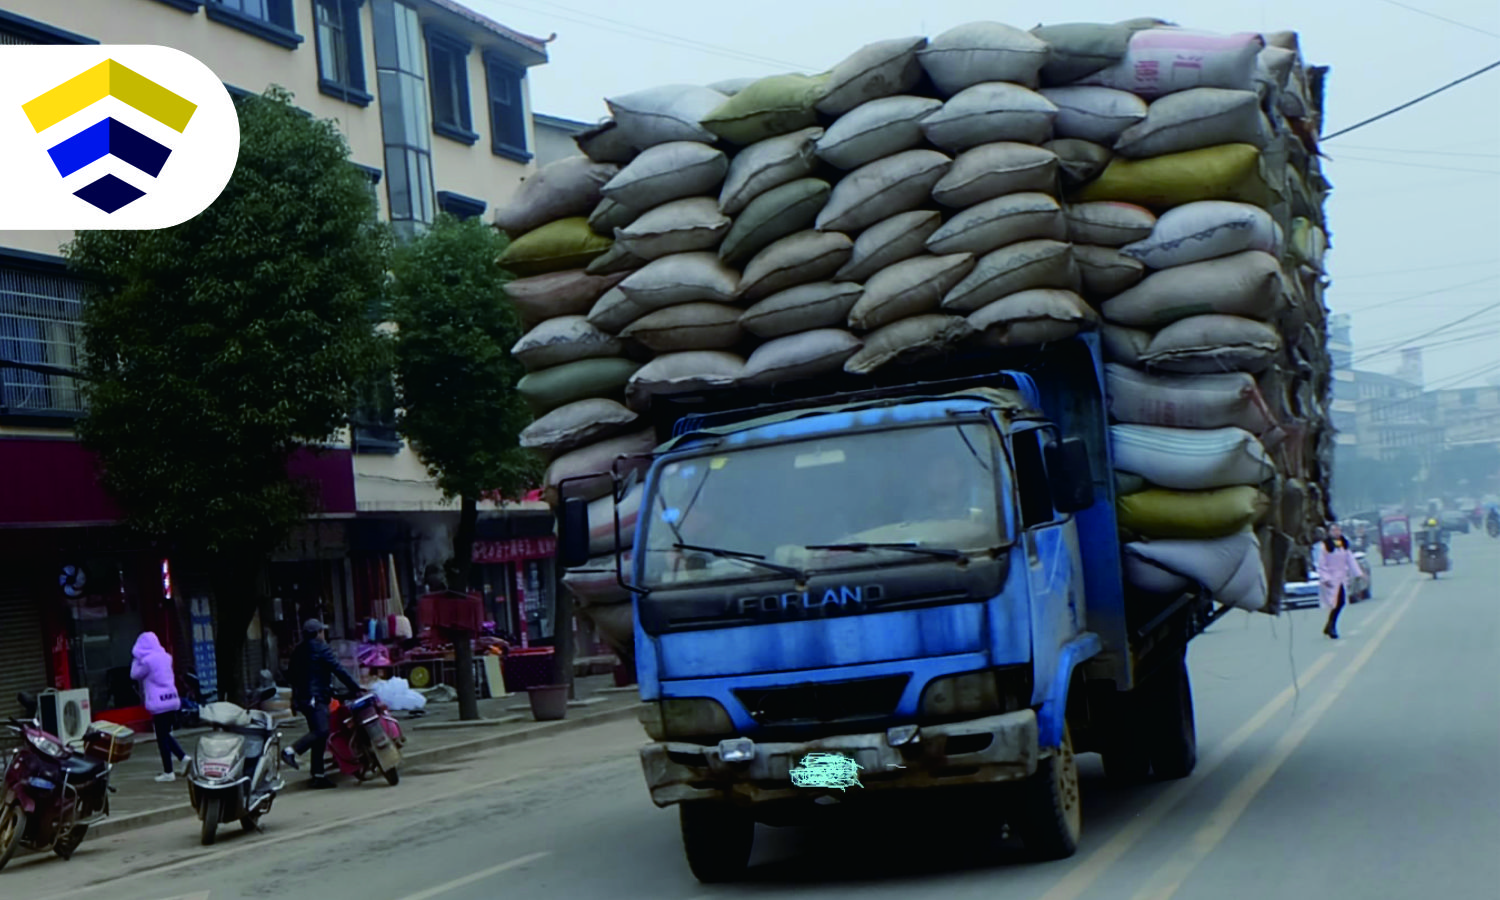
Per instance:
x=925, y=409
x=990, y=188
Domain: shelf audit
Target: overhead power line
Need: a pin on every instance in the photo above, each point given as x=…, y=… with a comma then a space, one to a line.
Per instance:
x=1433, y=15
x=1435, y=291
x=1410, y=103
x=1368, y=148
x=1441, y=328
x=1413, y=165
x=1455, y=265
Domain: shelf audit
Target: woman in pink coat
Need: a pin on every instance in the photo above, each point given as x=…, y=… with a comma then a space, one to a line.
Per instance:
x=152, y=667
x=1337, y=570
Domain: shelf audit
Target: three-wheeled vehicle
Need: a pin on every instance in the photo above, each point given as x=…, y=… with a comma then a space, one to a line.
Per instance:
x=1433, y=559
x=1395, y=539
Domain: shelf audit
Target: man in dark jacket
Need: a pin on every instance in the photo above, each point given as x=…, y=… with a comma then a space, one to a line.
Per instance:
x=313, y=668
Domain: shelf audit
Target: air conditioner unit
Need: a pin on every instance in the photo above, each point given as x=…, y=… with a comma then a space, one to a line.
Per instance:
x=65, y=714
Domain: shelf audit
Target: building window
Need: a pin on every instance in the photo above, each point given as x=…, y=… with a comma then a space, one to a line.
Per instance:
x=507, y=109
x=270, y=20
x=187, y=6
x=40, y=314
x=16, y=31
x=448, y=63
x=1468, y=397
x=459, y=206
x=402, y=72
x=341, y=60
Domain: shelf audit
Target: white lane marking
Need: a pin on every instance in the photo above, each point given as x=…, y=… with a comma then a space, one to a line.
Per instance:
x=477, y=876
x=1168, y=879
x=1081, y=878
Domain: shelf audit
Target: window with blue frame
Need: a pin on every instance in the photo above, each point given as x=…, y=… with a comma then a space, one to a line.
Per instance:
x=341, y=62
x=272, y=20
x=448, y=77
x=507, y=109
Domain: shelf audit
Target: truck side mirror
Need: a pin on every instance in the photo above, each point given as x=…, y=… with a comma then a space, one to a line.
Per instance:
x=1071, y=475
x=573, y=533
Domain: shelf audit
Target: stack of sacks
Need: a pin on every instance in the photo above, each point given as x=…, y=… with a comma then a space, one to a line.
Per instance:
x=989, y=188
x=1195, y=209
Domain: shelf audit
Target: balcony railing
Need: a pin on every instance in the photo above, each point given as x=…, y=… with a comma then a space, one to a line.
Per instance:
x=39, y=325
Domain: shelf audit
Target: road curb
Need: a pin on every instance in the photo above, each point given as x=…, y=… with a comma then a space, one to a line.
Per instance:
x=150, y=817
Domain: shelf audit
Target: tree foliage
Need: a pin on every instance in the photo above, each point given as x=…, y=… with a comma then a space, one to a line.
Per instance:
x=216, y=347
x=456, y=378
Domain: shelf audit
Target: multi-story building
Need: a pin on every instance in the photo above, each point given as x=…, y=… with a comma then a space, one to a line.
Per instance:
x=433, y=100
x=1469, y=416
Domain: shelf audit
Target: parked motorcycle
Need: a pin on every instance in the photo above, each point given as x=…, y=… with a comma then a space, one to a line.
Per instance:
x=236, y=771
x=366, y=740
x=51, y=793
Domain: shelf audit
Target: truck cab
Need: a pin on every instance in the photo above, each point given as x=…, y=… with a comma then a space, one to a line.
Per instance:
x=898, y=592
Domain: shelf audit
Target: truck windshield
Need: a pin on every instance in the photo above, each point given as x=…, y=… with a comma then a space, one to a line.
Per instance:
x=934, y=486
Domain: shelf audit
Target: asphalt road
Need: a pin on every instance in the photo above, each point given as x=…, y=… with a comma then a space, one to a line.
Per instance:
x=1375, y=775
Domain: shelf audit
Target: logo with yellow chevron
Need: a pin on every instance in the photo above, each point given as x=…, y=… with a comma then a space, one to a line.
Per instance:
x=111, y=137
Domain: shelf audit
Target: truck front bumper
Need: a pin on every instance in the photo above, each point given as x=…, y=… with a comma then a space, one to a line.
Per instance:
x=979, y=751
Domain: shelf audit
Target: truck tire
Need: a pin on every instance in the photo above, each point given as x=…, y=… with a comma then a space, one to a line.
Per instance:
x=1172, y=741
x=1050, y=809
x=717, y=839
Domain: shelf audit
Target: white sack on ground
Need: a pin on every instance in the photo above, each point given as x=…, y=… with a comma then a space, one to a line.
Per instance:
x=1191, y=460
x=397, y=695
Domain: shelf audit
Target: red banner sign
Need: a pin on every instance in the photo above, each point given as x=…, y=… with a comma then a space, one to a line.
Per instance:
x=515, y=549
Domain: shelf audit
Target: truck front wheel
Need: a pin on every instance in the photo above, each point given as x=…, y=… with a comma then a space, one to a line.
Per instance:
x=718, y=839
x=1173, y=730
x=1050, y=814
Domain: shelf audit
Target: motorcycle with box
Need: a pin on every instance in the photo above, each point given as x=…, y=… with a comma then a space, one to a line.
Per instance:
x=52, y=793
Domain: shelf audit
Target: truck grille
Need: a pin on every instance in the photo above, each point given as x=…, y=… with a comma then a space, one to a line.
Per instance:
x=824, y=702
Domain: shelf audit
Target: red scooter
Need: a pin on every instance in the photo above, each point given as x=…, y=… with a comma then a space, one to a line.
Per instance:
x=52, y=794
x=365, y=739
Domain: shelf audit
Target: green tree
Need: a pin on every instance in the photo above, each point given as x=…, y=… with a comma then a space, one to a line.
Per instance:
x=456, y=378
x=218, y=347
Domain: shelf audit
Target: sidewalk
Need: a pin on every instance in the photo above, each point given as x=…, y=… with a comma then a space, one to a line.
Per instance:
x=436, y=736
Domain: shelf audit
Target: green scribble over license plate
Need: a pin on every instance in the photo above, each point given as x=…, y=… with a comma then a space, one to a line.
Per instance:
x=827, y=770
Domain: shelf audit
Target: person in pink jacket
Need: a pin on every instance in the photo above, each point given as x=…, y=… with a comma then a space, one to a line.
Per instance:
x=152, y=668
x=1337, y=570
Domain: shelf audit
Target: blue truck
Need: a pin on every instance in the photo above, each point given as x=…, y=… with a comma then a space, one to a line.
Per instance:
x=918, y=579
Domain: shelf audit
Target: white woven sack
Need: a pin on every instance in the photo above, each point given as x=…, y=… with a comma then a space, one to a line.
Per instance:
x=1097, y=114
x=1106, y=271
x=1230, y=568
x=768, y=164
x=1195, y=119
x=1186, y=401
x=799, y=356
x=668, y=172
x=871, y=72
x=1249, y=284
x=994, y=170
x=1186, y=459
x=988, y=113
x=888, y=242
x=1108, y=223
x=602, y=522
x=662, y=114
x=1152, y=66
x=1000, y=222
x=876, y=130
x=1206, y=229
x=882, y=189
x=686, y=372
x=562, y=340
x=681, y=226
x=983, y=51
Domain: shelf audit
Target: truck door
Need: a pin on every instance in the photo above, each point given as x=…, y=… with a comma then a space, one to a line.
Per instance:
x=1053, y=564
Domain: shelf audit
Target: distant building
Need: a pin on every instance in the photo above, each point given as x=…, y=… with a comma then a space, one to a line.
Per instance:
x=554, y=138
x=1468, y=415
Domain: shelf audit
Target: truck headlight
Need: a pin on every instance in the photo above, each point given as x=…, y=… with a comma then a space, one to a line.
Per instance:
x=685, y=718
x=983, y=693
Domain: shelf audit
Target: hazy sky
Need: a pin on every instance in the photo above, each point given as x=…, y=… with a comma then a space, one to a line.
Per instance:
x=1416, y=200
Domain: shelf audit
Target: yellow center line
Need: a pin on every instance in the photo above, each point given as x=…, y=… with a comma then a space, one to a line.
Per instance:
x=1170, y=877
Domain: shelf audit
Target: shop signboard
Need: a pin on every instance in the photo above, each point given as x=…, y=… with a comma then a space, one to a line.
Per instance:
x=203, y=646
x=514, y=550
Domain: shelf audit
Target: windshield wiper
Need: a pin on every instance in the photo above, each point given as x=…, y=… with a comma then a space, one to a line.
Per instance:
x=939, y=552
x=754, y=559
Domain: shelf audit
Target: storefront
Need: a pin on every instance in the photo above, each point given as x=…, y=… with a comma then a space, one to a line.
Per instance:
x=514, y=556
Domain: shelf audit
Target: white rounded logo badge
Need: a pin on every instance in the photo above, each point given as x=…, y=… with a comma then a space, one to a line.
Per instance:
x=111, y=137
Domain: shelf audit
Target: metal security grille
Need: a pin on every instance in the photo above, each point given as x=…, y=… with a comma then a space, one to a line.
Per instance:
x=23, y=663
x=39, y=324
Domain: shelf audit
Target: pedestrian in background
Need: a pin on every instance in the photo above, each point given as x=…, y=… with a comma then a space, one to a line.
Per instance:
x=1337, y=570
x=152, y=668
x=313, y=668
